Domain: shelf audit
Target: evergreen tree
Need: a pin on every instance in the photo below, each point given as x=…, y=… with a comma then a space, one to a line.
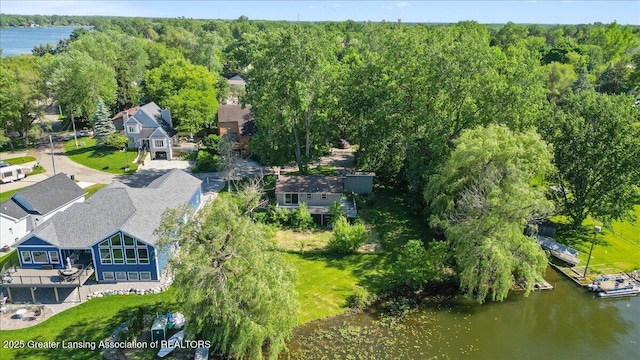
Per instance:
x=102, y=124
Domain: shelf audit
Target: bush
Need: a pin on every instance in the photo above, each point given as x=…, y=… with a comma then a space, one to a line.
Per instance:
x=116, y=140
x=301, y=219
x=416, y=266
x=361, y=299
x=211, y=142
x=206, y=162
x=278, y=216
x=347, y=238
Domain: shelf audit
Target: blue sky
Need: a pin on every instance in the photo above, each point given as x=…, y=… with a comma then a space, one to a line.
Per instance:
x=540, y=11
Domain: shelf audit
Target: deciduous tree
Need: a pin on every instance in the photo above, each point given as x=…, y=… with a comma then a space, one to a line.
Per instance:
x=482, y=197
x=596, y=150
x=235, y=291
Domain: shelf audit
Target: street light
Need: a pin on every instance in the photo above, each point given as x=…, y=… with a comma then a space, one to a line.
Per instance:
x=596, y=230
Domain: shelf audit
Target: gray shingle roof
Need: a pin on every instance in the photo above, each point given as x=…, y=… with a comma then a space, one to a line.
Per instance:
x=12, y=209
x=150, y=116
x=47, y=195
x=309, y=184
x=137, y=211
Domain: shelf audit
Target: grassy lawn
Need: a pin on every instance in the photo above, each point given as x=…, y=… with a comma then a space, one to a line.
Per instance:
x=20, y=160
x=617, y=248
x=92, y=190
x=93, y=320
x=307, y=241
x=10, y=256
x=7, y=195
x=326, y=281
x=104, y=159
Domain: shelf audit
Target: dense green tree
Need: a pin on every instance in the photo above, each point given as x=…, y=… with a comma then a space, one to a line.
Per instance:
x=482, y=197
x=102, y=124
x=117, y=140
x=596, y=150
x=615, y=79
x=287, y=86
x=187, y=90
x=417, y=266
x=347, y=238
x=560, y=78
x=78, y=82
x=22, y=95
x=235, y=291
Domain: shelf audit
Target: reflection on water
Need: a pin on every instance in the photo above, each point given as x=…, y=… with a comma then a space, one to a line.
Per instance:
x=566, y=323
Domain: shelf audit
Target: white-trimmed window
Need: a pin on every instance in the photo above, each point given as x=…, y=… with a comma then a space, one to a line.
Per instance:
x=40, y=257
x=158, y=143
x=131, y=256
x=309, y=196
x=290, y=198
x=143, y=255
x=107, y=276
x=132, y=129
x=128, y=241
x=145, y=275
x=116, y=240
x=133, y=276
x=323, y=196
x=105, y=256
x=118, y=256
x=26, y=257
x=121, y=276
x=104, y=244
x=53, y=256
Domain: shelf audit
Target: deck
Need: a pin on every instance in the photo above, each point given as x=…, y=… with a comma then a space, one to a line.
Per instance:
x=23, y=277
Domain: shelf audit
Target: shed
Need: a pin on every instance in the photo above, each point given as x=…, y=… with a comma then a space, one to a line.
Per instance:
x=359, y=183
x=159, y=329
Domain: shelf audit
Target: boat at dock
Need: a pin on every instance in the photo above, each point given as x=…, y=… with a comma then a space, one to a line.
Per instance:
x=559, y=251
x=627, y=290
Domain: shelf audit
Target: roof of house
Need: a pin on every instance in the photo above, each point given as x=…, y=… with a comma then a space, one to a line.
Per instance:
x=118, y=207
x=309, y=184
x=237, y=113
x=42, y=197
x=150, y=117
x=129, y=112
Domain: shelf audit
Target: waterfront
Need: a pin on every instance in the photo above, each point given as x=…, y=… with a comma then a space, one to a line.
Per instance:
x=16, y=41
x=568, y=322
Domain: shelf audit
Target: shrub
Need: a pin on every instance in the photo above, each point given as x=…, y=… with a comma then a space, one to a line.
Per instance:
x=205, y=161
x=116, y=140
x=211, y=142
x=278, y=216
x=361, y=299
x=301, y=219
x=415, y=265
x=347, y=238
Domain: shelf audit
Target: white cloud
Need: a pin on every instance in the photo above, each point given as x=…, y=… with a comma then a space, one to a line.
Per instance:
x=402, y=4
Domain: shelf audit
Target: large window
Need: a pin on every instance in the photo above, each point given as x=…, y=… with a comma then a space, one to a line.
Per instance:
x=131, y=256
x=158, y=143
x=40, y=257
x=290, y=198
x=105, y=256
x=118, y=256
x=116, y=240
x=132, y=129
x=26, y=257
x=143, y=256
x=121, y=276
x=53, y=255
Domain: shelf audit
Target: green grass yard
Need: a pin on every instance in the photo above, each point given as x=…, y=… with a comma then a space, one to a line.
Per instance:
x=7, y=195
x=91, y=321
x=105, y=159
x=617, y=248
x=20, y=160
x=92, y=190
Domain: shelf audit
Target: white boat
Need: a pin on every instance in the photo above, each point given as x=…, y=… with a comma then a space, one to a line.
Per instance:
x=202, y=353
x=171, y=344
x=627, y=290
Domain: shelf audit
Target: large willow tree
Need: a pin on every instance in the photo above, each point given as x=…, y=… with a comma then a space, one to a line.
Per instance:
x=483, y=198
x=233, y=290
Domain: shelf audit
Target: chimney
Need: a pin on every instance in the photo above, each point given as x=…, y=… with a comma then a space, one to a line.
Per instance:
x=125, y=116
x=166, y=116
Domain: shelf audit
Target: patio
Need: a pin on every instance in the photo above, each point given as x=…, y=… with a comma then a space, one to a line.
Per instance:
x=17, y=277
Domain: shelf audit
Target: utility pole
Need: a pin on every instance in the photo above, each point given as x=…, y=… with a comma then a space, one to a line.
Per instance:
x=596, y=230
x=52, y=158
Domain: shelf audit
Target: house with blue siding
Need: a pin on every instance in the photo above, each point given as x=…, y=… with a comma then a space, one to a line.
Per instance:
x=113, y=231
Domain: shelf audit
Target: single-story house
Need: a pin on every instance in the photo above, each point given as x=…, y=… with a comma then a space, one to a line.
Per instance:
x=236, y=124
x=148, y=127
x=32, y=206
x=113, y=231
x=319, y=192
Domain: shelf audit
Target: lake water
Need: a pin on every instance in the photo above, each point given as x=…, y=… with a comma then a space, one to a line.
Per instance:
x=16, y=41
x=568, y=322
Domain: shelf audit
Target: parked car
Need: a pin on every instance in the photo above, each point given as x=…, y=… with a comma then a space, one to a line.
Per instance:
x=343, y=144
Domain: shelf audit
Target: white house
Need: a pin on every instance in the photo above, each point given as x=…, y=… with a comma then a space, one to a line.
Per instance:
x=149, y=128
x=33, y=205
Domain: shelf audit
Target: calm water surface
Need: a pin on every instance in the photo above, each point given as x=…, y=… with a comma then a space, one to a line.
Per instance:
x=16, y=41
x=566, y=323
